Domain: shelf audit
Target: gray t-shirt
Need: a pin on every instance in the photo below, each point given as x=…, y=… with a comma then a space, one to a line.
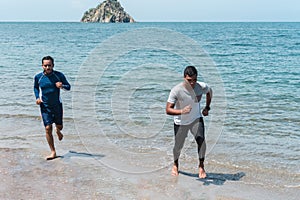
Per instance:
x=181, y=96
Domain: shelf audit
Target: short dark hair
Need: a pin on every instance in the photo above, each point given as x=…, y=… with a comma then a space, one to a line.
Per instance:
x=48, y=58
x=190, y=71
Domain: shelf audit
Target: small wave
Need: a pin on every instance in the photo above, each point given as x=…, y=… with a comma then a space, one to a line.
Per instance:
x=243, y=45
x=229, y=54
x=13, y=138
x=15, y=104
x=292, y=186
x=281, y=36
x=21, y=116
x=25, y=116
x=294, y=54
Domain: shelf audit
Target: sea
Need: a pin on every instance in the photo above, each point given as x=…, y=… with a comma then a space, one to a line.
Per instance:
x=121, y=76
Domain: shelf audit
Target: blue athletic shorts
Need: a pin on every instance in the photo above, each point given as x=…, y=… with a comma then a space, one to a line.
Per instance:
x=52, y=114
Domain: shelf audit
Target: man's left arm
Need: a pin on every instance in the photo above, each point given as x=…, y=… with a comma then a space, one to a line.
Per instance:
x=208, y=101
x=64, y=83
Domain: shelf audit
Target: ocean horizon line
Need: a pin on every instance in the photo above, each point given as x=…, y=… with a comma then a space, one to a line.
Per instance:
x=66, y=21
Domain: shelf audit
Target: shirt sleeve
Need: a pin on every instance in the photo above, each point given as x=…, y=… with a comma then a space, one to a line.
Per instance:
x=36, y=88
x=65, y=84
x=204, y=88
x=172, y=97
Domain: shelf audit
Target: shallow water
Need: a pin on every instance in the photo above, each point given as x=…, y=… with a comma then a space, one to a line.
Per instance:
x=119, y=107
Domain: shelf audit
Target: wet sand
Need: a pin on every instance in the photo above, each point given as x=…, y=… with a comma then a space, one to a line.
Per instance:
x=80, y=174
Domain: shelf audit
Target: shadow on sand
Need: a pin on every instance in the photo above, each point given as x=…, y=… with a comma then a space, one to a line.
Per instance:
x=80, y=154
x=216, y=178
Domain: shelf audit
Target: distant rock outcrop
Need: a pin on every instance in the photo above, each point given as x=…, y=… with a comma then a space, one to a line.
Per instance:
x=109, y=11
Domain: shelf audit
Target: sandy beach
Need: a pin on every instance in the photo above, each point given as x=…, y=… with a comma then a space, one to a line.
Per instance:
x=80, y=174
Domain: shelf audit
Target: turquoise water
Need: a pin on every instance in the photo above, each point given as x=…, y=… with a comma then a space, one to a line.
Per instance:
x=258, y=63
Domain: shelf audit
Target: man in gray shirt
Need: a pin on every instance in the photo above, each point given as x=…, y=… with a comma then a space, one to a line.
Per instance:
x=184, y=104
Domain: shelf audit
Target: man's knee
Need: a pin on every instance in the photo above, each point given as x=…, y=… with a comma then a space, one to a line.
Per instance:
x=48, y=128
x=199, y=140
x=60, y=127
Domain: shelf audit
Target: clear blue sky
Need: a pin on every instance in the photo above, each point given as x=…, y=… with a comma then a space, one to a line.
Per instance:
x=156, y=10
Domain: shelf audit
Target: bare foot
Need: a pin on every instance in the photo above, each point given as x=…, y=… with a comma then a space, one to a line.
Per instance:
x=52, y=156
x=174, y=170
x=202, y=173
x=59, y=134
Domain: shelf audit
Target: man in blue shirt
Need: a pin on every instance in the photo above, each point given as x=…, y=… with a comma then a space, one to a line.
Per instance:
x=47, y=85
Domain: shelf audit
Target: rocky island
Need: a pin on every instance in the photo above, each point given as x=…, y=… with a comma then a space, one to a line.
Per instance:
x=109, y=11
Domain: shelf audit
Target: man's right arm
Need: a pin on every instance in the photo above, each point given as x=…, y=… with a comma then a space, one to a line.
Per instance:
x=170, y=110
x=36, y=90
x=170, y=107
